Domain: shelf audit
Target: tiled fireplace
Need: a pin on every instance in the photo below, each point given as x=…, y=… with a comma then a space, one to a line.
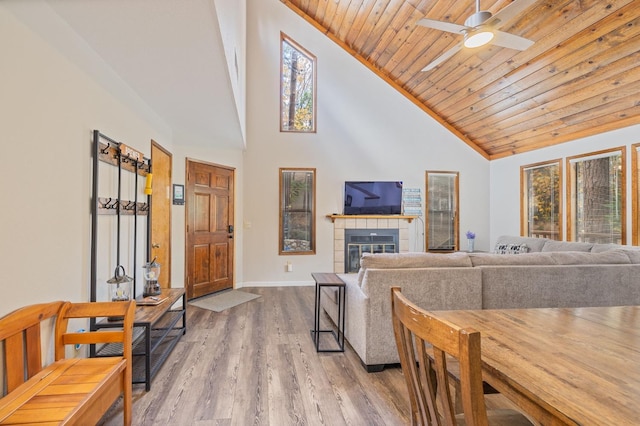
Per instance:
x=379, y=231
x=359, y=241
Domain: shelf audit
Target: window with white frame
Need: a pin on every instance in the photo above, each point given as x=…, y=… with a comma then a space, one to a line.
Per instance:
x=596, y=197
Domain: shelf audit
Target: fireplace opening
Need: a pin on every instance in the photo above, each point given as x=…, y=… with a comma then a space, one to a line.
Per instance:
x=359, y=241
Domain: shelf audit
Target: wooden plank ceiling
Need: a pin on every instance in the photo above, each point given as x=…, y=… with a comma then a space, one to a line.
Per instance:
x=580, y=78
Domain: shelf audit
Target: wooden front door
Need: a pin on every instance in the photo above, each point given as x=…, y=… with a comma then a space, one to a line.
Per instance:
x=160, y=238
x=209, y=211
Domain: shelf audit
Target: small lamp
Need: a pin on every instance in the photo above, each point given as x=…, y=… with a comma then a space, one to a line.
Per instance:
x=151, y=274
x=119, y=288
x=120, y=285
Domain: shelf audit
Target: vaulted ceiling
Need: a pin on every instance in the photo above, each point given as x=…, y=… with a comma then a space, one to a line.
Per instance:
x=581, y=76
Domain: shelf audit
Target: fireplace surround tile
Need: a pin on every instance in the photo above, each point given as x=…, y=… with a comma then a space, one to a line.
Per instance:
x=372, y=224
x=340, y=224
x=338, y=238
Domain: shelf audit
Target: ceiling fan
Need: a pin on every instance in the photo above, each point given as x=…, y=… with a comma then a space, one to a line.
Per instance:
x=480, y=29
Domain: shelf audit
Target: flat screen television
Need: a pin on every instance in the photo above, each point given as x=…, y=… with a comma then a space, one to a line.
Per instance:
x=372, y=197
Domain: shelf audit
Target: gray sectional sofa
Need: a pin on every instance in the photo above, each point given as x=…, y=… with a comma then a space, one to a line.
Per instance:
x=544, y=274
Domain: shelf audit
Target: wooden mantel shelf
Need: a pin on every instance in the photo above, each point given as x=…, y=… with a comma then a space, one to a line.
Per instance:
x=333, y=217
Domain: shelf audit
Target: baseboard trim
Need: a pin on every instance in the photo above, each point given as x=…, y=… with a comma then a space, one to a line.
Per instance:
x=275, y=284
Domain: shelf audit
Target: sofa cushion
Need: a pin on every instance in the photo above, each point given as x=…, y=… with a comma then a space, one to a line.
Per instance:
x=566, y=246
x=482, y=259
x=634, y=254
x=549, y=286
x=599, y=248
x=632, y=251
x=414, y=260
x=533, y=244
x=411, y=260
x=616, y=256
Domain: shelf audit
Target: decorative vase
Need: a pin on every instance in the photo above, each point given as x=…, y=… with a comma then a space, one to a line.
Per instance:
x=470, y=242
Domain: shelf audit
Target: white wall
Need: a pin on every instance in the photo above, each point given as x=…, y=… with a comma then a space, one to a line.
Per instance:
x=48, y=109
x=366, y=130
x=505, y=177
x=232, y=20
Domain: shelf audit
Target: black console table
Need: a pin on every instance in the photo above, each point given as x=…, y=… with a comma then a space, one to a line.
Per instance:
x=156, y=330
x=324, y=279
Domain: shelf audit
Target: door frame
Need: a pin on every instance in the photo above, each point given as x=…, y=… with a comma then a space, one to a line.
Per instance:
x=167, y=266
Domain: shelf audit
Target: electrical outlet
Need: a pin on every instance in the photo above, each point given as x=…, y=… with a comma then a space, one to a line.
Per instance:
x=289, y=267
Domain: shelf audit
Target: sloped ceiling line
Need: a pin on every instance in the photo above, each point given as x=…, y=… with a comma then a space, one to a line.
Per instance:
x=578, y=79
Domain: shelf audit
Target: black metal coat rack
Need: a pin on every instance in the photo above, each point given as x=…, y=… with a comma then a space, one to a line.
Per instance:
x=117, y=154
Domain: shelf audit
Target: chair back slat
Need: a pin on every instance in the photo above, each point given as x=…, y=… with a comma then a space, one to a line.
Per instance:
x=15, y=361
x=20, y=334
x=425, y=343
x=34, y=354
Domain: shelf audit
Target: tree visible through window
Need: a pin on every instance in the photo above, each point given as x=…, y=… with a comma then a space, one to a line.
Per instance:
x=542, y=200
x=297, y=211
x=597, y=197
x=297, y=88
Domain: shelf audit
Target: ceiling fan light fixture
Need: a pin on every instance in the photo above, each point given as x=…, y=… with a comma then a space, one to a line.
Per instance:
x=478, y=38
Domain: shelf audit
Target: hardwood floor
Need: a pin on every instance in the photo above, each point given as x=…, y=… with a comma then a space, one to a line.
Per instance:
x=256, y=364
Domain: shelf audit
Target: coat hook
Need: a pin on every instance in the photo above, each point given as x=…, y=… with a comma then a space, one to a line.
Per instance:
x=114, y=203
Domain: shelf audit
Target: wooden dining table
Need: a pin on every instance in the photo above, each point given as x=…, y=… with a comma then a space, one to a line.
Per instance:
x=576, y=366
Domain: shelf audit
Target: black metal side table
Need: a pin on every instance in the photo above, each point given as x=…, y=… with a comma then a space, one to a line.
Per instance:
x=329, y=279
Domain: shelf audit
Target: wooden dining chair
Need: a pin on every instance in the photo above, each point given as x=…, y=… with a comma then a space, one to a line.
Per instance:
x=424, y=344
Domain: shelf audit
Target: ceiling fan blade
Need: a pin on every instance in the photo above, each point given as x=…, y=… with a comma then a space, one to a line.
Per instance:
x=440, y=59
x=508, y=13
x=500, y=38
x=441, y=25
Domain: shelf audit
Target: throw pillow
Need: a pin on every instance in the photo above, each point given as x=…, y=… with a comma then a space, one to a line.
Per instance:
x=534, y=244
x=501, y=248
x=511, y=248
x=518, y=248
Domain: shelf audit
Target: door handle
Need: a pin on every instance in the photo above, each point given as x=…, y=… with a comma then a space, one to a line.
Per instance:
x=231, y=229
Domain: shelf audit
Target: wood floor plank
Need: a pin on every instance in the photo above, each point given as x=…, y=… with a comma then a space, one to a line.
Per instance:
x=319, y=399
x=250, y=397
x=256, y=364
